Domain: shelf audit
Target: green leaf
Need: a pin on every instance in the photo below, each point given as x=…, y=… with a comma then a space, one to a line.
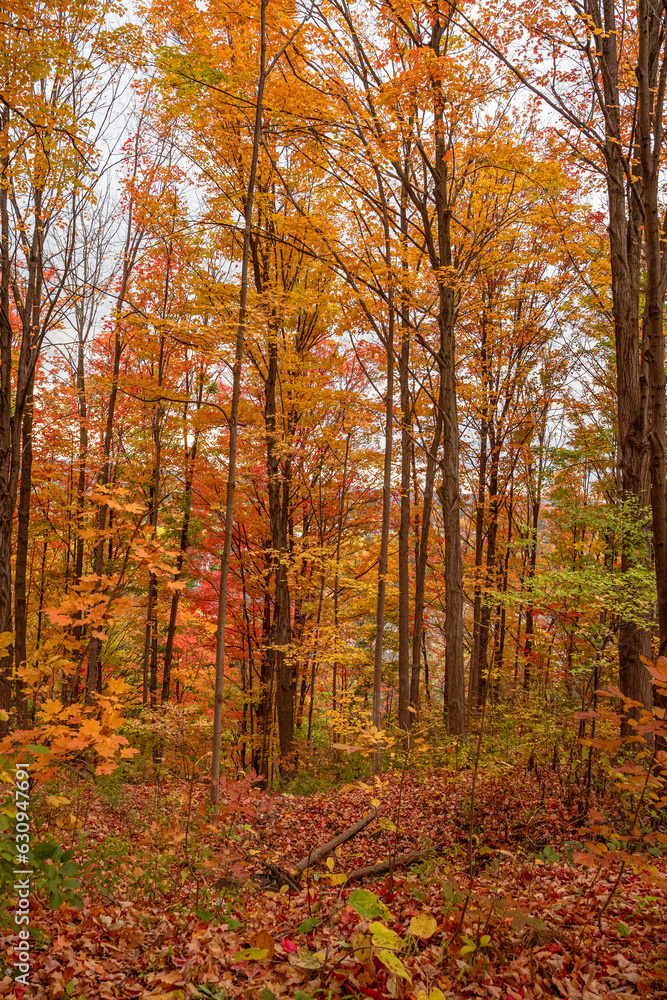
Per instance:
x=383, y=937
x=394, y=964
x=251, y=955
x=300, y=995
x=468, y=946
x=267, y=994
x=308, y=924
x=367, y=905
x=623, y=929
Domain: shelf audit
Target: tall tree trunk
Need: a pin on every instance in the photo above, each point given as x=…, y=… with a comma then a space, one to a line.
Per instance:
x=491, y=540
x=449, y=490
x=650, y=98
x=233, y=423
x=383, y=558
x=190, y=458
x=278, y=489
x=22, y=540
x=499, y=635
x=624, y=240
x=404, y=714
x=132, y=242
x=6, y=503
x=384, y=536
x=151, y=647
x=475, y=656
x=13, y=403
x=339, y=536
x=421, y=549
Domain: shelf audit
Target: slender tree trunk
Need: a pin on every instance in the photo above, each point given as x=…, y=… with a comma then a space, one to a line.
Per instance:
x=132, y=242
x=22, y=542
x=13, y=403
x=650, y=95
x=449, y=490
x=278, y=484
x=475, y=656
x=6, y=504
x=82, y=409
x=491, y=540
x=404, y=714
x=499, y=635
x=190, y=457
x=421, y=550
x=339, y=536
x=384, y=539
x=233, y=423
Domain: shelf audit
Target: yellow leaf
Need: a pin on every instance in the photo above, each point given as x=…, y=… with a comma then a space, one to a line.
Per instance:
x=375, y=802
x=331, y=864
x=394, y=964
x=6, y=639
x=424, y=925
x=57, y=800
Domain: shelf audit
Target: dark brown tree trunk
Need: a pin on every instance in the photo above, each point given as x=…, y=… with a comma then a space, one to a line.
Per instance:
x=225, y=562
x=491, y=540
x=533, y=521
x=449, y=464
x=651, y=79
x=6, y=484
x=499, y=635
x=22, y=542
x=339, y=537
x=475, y=658
x=13, y=404
x=190, y=457
x=449, y=492
x=404, y=713
x=624, y=240
x=421, y=550
x=278, y=489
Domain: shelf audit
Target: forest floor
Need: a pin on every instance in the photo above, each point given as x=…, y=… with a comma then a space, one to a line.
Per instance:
x=173, y=905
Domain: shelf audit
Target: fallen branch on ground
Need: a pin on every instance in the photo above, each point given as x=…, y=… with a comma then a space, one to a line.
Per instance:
x=277, y=877
x=382, y=867
x=321, y=852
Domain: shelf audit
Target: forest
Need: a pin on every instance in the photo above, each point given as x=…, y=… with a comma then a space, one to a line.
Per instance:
x=333, y=499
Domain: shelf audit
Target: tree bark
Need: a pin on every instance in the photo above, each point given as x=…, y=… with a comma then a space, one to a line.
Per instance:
x=404, y=679
x=449, y=490
x=233, y=424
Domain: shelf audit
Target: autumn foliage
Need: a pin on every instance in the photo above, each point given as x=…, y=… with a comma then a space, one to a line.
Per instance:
x=333, y=497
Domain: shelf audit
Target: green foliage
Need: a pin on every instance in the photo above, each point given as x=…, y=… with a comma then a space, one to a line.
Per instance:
x=212, y=992
x=589, y=578
x=53, y=871
x=367, y=905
